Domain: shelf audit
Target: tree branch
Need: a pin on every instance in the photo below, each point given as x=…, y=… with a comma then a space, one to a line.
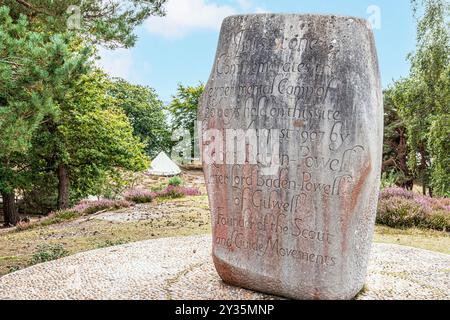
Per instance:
x=31, y=7
x=11, y=63
x=25, y=4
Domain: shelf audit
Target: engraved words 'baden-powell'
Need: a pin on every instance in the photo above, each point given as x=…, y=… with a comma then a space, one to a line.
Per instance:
x=291, y=125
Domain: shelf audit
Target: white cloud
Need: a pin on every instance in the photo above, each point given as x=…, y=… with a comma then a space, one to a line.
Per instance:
x=260, y=10
x=248, y=7
x=117, y=63
x=245, y=4
x=184, y=16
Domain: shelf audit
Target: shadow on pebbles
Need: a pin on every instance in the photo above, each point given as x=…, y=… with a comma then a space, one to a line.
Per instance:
x=181, y=268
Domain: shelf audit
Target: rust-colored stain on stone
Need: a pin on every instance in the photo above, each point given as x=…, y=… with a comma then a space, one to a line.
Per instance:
x=357, y=189
x=349, y=203
x=299, y=123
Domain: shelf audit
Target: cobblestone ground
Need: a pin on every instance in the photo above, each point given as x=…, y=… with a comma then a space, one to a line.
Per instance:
x=181, y=268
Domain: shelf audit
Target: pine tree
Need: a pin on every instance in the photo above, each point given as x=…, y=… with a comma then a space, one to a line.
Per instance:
x=33, y=67
x=109, y=23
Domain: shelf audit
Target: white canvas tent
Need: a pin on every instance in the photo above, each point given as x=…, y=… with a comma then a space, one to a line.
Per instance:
x=162, y=165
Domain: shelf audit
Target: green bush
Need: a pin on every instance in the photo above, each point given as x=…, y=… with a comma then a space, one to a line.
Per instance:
x=48, y=252
x=175, y=181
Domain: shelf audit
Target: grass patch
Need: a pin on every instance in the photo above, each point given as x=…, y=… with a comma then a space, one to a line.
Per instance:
x=186, y=219
x=158, y=187
x=432, y=240
x=48, y=252
x=61, y=216
x=112, y=243
x=83, y=208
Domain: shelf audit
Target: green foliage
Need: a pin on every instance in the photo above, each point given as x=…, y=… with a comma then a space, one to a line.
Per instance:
x=61, y=125
x=98, y=142
x=103, y=138
x=145, y=111
x=39, y=196
x=175, y=181
x=93, y=137
x=395, y=150
x=110, y=23
x=158, y=187
x=423, y=99
x=34, y=68
x=389, y=179
x=111, y=184
x=48, y=252
x=183, y=109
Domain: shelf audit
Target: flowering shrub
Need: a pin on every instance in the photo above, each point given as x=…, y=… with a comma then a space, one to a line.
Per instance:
x=139, y=196
x=173, y=192
x=85, y=207
x=439, y=220
x=91, y=207
x=402, y=208
x=400, y=212
x=396, y=192
x=188, y=191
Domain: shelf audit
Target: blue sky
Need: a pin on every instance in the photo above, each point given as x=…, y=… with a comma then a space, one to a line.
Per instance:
x=180, y=47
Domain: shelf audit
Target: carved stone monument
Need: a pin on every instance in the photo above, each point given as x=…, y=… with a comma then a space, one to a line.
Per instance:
x=291, y=125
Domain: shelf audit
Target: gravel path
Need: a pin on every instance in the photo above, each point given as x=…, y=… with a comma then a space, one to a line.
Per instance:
x=181, y=268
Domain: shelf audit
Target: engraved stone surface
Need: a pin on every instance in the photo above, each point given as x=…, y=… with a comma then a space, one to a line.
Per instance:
x=291, y=127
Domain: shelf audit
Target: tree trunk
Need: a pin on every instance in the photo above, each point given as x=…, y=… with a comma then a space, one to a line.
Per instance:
x=63, y=187
x=11, y=216
x=423, y=167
